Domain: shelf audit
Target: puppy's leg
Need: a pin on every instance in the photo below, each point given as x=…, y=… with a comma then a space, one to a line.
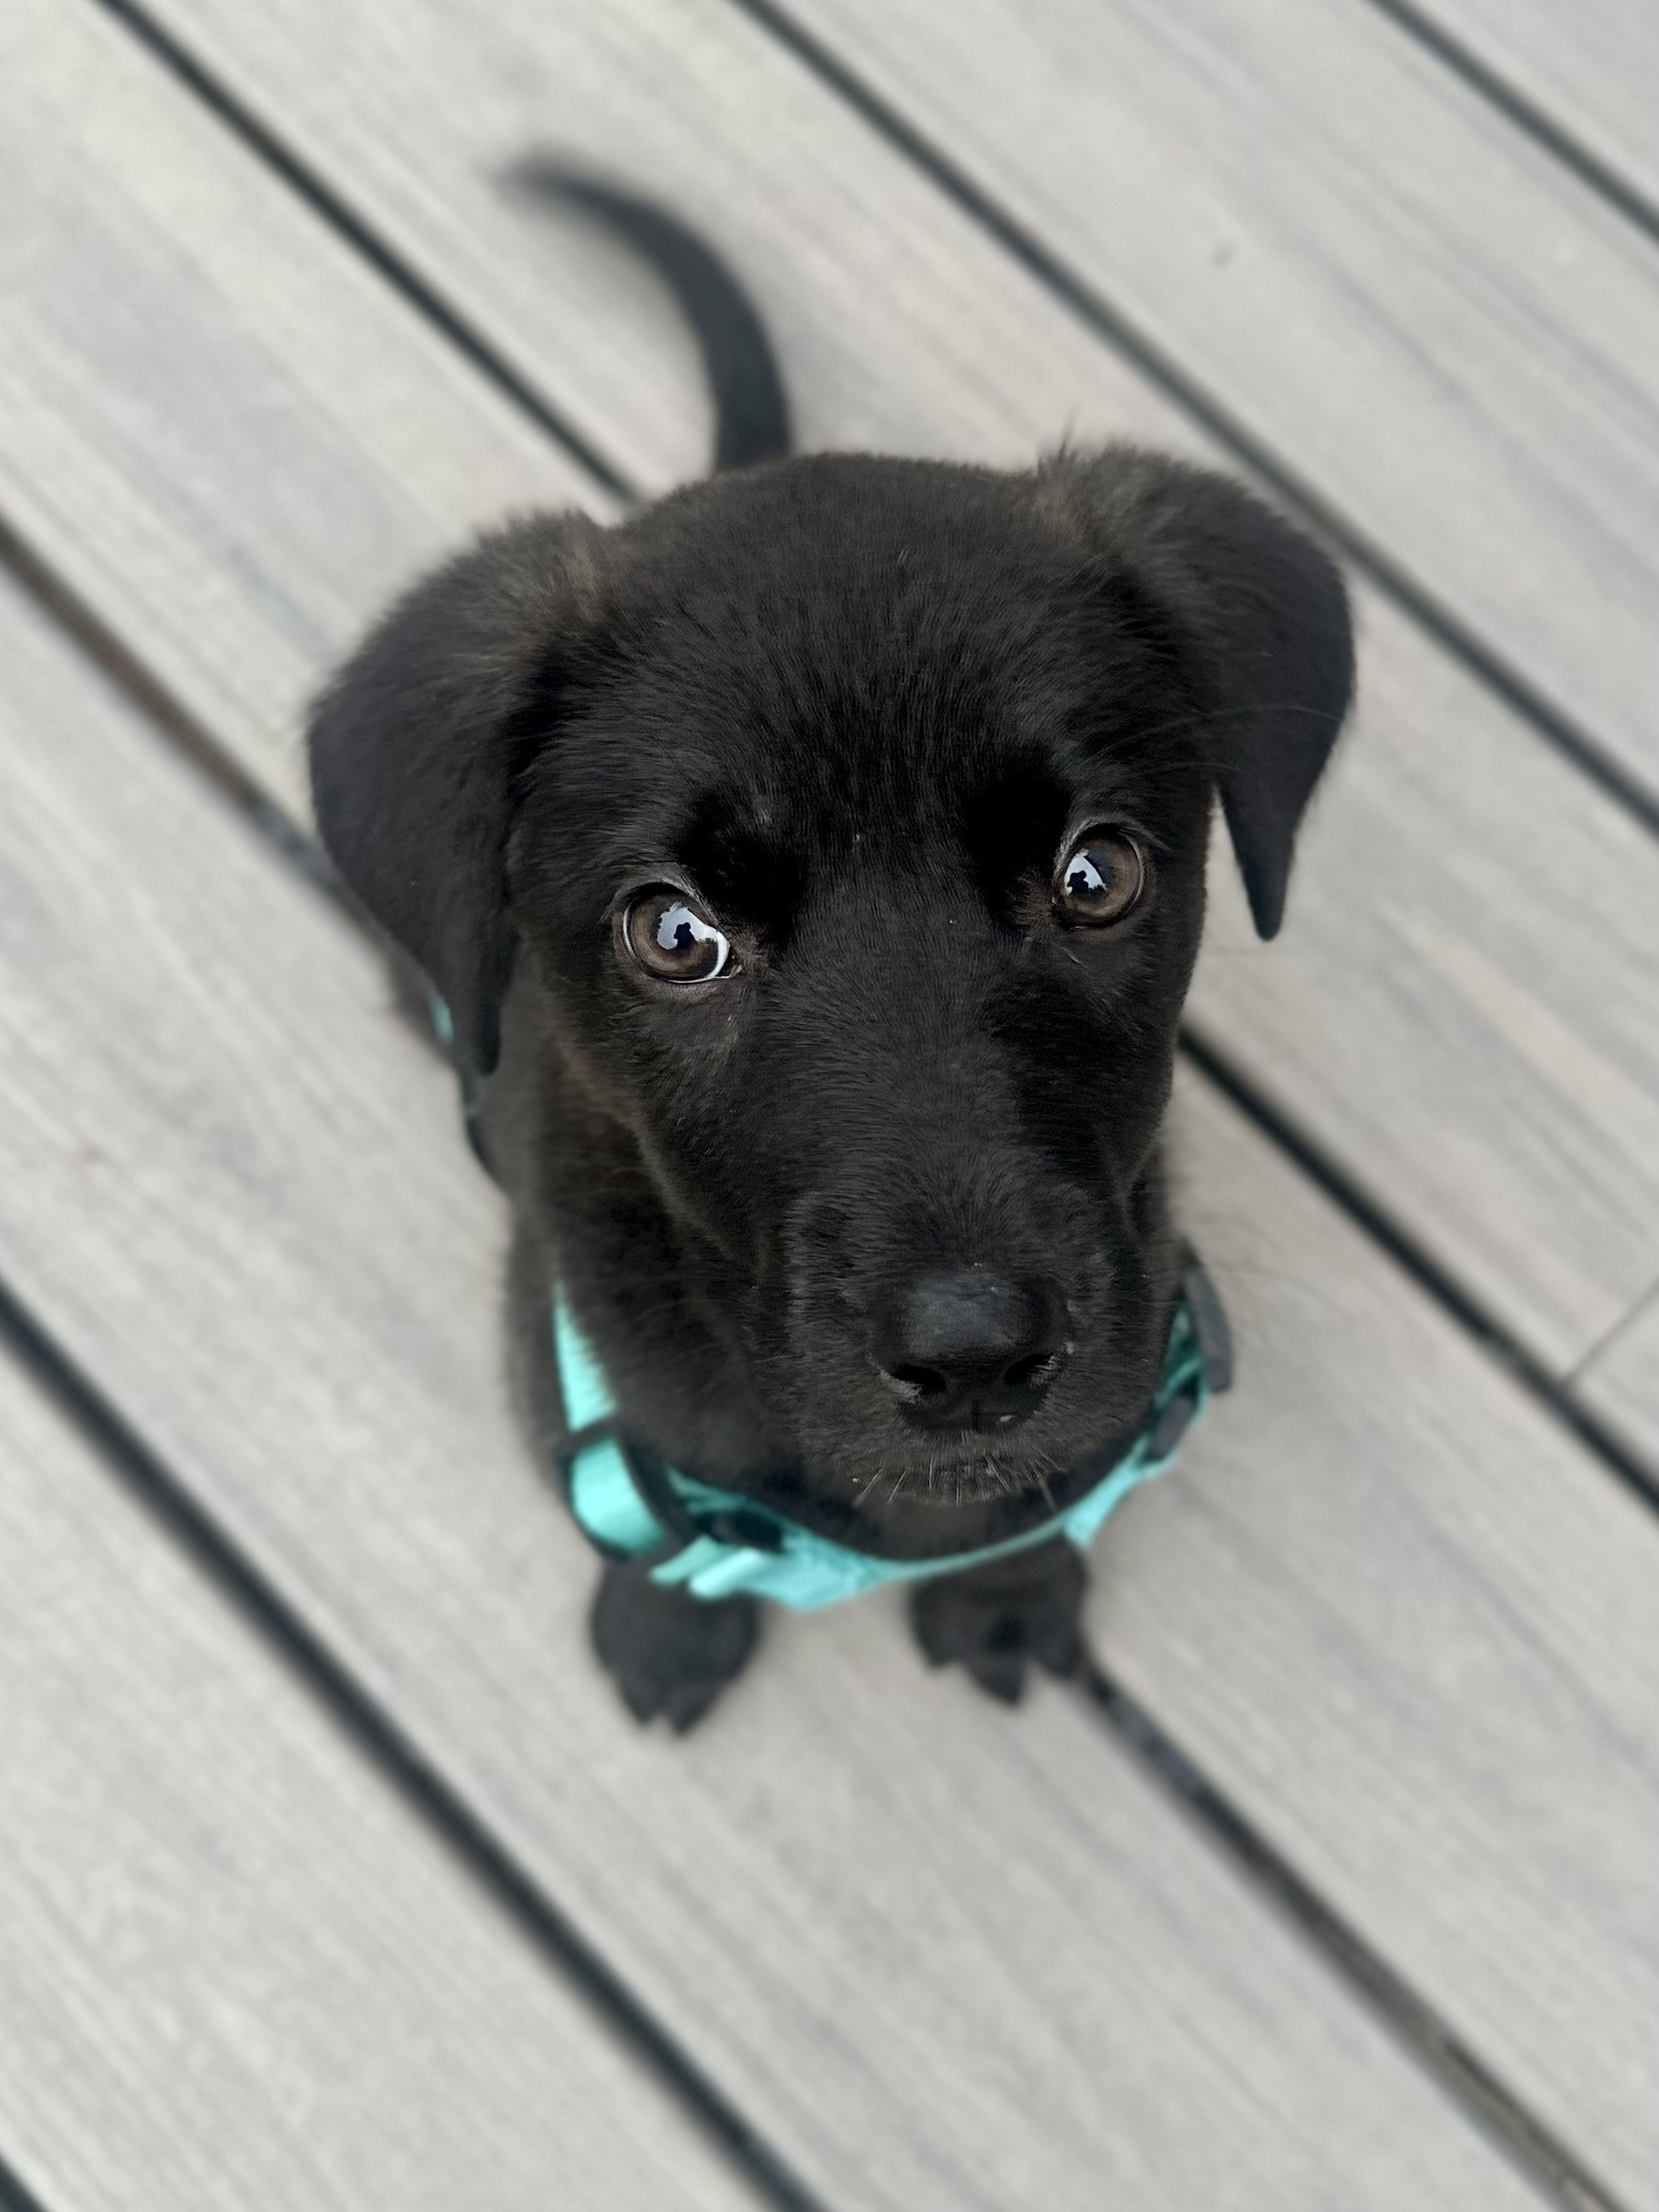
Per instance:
x=670, y=1652
x=993, y=1619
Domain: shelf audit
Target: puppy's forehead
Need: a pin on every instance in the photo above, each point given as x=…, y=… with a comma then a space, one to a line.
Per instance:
x=863, y=649
x=868, y=662
x=791, y=742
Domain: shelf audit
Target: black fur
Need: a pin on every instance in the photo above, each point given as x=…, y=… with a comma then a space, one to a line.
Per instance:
x=670, y=1654
x=996, y=1619
x=858, y=705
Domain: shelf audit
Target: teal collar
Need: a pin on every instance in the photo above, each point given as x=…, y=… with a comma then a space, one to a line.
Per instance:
x=717, y=1544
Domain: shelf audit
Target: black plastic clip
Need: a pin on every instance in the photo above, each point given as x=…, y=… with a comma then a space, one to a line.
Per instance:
x=1210, y=1324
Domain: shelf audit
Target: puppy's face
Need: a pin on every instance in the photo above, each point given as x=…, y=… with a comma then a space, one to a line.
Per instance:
x=852, y=818
x=865, y=870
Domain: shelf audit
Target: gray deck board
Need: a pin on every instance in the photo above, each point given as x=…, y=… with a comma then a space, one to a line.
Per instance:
x=235, y=1972
x=948, y=1956
x=1409, y=300
x=224, y=431
x=1422, y=973
x=1396, y=1614
x=1591, y=70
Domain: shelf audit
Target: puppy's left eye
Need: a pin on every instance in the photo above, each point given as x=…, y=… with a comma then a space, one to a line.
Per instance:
x=672, y=937
x=1103, y=879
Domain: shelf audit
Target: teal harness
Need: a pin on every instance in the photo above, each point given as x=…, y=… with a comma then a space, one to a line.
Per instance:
x=718, y=1544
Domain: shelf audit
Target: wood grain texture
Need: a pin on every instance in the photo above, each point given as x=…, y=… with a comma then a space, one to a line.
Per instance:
x=1593, y=70
x=218, y=424
x=948, y=1956
x=235, y=1973
x=1621, y=1382
x=1425, y=973
x=899, y=327
x=1393, y=1609
x=1461, y=1006
x=1417, y=307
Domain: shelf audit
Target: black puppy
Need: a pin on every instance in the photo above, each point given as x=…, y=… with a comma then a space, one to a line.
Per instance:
x=812, y=869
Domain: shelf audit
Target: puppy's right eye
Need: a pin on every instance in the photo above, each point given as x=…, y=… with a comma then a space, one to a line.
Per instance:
x=671, y=937
x=1103, y=879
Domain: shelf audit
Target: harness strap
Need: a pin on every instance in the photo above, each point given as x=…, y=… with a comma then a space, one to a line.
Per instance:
x=718, y=1544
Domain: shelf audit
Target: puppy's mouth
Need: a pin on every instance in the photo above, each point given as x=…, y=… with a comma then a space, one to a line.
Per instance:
x=955, y=1476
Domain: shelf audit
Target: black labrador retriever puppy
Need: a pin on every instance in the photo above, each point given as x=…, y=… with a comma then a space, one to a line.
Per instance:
x=810, y=870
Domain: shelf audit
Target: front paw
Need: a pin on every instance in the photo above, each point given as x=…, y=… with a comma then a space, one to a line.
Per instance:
x=994, y=1620
x=669, y=1652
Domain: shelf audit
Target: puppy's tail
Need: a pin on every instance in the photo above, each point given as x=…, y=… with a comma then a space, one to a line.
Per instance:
x=751, y=412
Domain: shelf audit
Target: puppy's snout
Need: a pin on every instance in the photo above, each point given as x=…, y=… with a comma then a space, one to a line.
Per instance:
x=967, y=1348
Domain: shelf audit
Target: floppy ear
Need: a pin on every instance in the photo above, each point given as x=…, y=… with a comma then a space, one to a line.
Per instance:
x=418, y=745
x=1261, y=618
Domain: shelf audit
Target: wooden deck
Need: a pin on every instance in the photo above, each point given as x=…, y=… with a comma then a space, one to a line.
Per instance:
x=328, y=1877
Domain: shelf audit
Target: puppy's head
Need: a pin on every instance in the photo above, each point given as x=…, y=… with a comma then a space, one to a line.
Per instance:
x=849, y=819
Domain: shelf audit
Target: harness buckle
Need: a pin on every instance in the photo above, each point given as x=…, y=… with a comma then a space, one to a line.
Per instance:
x=1209, y=1320
x=741, y=1524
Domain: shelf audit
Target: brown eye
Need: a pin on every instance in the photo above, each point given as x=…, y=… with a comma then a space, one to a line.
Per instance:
x=672, y=937
x=1103, y=879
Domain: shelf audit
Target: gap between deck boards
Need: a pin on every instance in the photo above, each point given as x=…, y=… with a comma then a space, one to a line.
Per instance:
x=393, y=1754
x=1573, y=152
x=13, y=2197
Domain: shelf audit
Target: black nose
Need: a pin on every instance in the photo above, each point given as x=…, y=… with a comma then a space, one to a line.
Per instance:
x=967, y=1348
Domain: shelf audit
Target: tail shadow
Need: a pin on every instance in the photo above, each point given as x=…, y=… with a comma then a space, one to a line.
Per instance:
x=752, y=410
